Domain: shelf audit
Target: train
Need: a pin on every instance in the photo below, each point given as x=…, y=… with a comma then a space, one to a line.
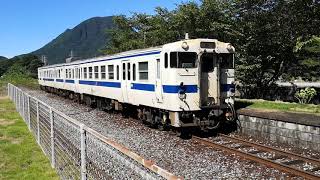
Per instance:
x=184, y=84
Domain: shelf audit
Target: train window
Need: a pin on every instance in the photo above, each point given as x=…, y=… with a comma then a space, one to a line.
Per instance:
x=70, y=76
x=158, y=68
x=183, y=59
x=103, y=72
x=128, y=69
x=110, y=72
x=226, y=61
x=143, y=70
x=173, y=59
x=96, y=72
x=187, y=59
x=134, y=72
x=118, y=72
x=66, y=73
x=123, y=71
x=85, y=73
x=90, y=73
x=166, y=60
x=73, y=74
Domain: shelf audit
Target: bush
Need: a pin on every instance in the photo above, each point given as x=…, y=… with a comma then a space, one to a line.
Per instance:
x=305, y=95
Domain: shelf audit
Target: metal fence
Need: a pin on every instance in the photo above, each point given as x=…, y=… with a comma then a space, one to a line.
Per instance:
x=77, y=151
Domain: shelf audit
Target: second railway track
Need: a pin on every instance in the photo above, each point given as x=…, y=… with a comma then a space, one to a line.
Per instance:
x=288, y=162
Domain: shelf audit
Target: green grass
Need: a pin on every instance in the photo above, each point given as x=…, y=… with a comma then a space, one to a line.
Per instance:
x=278, y=105
x=20, y=156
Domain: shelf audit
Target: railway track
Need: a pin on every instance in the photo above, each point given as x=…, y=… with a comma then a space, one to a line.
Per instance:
x=308, y=168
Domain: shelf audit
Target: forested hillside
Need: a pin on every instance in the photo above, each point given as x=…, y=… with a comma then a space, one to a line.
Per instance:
x=3, y=58
x=85, y=40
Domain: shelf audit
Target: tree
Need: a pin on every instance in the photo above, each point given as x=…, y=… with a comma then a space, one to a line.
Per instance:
x=271, y=29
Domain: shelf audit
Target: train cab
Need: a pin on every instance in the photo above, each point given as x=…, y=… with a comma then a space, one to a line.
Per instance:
x=203, y=69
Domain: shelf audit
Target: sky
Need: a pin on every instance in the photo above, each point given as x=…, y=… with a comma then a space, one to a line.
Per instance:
x=27, y=25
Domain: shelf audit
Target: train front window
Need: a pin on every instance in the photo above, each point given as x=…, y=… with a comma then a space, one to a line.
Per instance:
x=226, y=61
x=183, y=59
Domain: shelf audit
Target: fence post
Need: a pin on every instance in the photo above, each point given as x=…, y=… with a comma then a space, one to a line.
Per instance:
x=8, y=90
x=83, y=152
x=38, y=123
x=23, y=106
x=52, y=139
x=29, y=113
x=18, y=101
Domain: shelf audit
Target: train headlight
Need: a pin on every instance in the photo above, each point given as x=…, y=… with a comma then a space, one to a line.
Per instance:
x=230, y=47
x=184, y=45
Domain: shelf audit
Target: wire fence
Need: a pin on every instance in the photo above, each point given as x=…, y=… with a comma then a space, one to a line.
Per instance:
x=77, y=151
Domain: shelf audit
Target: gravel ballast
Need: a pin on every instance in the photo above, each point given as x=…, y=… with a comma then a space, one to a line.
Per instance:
x=186, y=158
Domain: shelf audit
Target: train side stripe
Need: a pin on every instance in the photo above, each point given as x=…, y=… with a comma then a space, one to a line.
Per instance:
x=70, y=81
x=175, y=88
x=227, y=87
x=101, y=83
x=47, y=79
x=143, y=87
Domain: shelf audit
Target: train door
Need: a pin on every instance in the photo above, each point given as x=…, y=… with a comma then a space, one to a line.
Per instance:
x=209, y=80
x=125, y=83
x=76, y=78
x=158, y=82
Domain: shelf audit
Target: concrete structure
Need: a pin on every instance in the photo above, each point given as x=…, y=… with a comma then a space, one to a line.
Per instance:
x=300, y=130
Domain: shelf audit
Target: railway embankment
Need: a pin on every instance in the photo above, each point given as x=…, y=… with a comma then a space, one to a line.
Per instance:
x=297, y=129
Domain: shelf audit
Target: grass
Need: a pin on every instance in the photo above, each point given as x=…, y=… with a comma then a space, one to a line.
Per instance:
x=279, y=106
x=20, y=156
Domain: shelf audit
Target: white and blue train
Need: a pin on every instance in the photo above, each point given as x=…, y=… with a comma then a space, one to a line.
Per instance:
x=181, y=84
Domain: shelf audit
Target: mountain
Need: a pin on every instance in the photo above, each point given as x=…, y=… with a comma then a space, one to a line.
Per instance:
x=3, y=58
x=85, y=40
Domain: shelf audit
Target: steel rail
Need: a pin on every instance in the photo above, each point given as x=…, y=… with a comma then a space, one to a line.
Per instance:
x=267, y=162
x=272, y=149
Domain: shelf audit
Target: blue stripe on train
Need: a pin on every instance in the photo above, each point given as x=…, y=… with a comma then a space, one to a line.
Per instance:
x=175, y=88
x=47, y=79
x=101, y=83
x=143, y=87
x=70, y=81
x=228, y=87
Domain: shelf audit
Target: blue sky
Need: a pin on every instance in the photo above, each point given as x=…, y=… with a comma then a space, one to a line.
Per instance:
x=27, y=25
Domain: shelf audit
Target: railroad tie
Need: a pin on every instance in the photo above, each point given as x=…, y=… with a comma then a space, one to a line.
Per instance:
x=277, y=157
x=296, y=161
x=314, y=169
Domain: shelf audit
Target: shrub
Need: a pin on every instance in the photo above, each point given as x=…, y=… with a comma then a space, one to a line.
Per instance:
x=305, y=95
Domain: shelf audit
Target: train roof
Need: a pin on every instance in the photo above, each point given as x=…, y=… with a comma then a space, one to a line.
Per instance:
x=129, y=53
x=93, y=59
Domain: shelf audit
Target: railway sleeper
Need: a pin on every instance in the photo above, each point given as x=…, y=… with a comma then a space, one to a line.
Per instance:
x=277, y=157
x=314, y=169
x=292, y=162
